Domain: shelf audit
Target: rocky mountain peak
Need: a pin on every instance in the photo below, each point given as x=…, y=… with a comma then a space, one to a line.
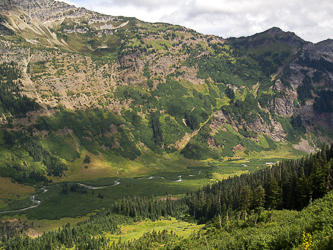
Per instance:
x=325, y=48
x=273, y=30
x=43, y=9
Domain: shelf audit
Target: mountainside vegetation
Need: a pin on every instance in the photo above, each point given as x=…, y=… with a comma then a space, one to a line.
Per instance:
x=166, y=83
x=96, y=108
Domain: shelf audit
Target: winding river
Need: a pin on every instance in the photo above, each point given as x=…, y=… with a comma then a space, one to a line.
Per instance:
x=36, y=203
x=32, y=198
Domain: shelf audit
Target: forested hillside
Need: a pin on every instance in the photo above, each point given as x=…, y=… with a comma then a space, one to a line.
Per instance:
x=240, y=212
x=129, y=123
x=159, y=88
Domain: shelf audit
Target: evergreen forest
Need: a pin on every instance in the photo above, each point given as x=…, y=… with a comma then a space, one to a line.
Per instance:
x=286, y=206
x=117, y=133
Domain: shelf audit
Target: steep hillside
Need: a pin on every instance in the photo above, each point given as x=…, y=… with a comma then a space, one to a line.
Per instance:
x=119, y=91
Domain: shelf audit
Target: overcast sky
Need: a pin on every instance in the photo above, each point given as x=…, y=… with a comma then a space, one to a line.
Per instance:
x=312, y=20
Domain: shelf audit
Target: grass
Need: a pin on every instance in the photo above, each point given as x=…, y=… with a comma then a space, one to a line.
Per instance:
x=41, y=226
x=136, y=230
x=14, y=191
x=325, y=131
x=104, y=168
x=18, y=204
x=56, y=205
x=221, y=176
x=157, y=44
x=14, y=195
x=3, y=204
x=61, y=147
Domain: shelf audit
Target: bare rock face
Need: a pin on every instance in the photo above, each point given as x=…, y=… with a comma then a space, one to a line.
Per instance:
x=284, y=107
x=277, y=133
x=217, y=123
x=259, y=127
x=315, y=51
x=304, y=146
x=307, y=113
x=5, y=5
x=45, y=10
x=211, y=142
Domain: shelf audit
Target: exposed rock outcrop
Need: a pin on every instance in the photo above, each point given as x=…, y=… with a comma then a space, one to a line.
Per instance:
x=284, y=107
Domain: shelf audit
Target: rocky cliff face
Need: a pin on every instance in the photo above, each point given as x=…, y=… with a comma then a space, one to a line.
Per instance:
x=284, y=107
x=44, y=10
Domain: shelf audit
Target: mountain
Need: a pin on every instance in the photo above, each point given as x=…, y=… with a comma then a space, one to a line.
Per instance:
x=78, y=84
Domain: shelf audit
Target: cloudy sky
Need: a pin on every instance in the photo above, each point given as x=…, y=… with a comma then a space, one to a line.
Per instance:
x=311, y=20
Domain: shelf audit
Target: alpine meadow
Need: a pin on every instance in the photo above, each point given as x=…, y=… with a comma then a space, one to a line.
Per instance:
x=117, y=133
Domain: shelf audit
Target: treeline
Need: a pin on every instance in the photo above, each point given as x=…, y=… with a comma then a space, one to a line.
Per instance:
x=140, y=208
x=54, y=166
x=85, y=235
x=233, y=209
x=290, y=184
x=310, y=228
x=92, y=128
x=10, y=229
x=11, y=101
x=73, y=188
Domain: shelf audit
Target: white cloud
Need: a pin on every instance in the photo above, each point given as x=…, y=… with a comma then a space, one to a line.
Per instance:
x=309, y=19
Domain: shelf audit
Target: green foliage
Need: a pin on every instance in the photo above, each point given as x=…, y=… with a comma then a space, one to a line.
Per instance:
x=126, y=92
x=31, y=146
x=264, y=95
x=322, y=64
x=286, y=185
x=61, y=146
x=224, y=203
x=247, y=109
x=146, y=70
x=274, y=195
x=293, y=133
x=225, y=141
x=86, y=159
x=198, y=148
x=70, y=236
x=38, y=67
x=171, y=130
x=230, y=94
x=53, y=164
x=11, y=101
x=156, y=126
x=141, y=208
x=93, y=129
x=304, y=90
x=296, y=122
x=270, y=142
x=228, y=141
x=323, y=103
x=271, y=230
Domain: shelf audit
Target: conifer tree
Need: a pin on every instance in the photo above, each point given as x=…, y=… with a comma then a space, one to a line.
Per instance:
x=302, y=191
x=259, y=200
x=245, y=200
x=274, y=195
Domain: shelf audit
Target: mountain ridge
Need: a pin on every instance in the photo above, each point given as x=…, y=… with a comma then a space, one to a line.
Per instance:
x=118, y=86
